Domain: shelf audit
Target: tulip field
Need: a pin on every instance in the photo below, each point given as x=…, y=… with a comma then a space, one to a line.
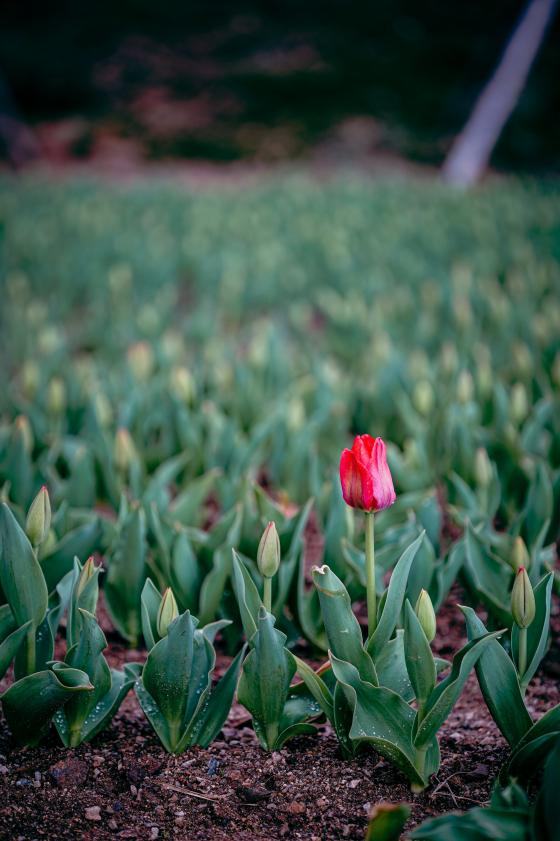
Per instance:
x=280, y=510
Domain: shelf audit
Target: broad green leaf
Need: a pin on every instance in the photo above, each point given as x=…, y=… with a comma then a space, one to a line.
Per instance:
x=418, y=656
x=248, y=600
x=540, y=503
x=499, y=684
x=30, y=703
x=126, y=575
x=186, y=508
x=391, y=668
x=79, y=543
x=265, y=680
x=490, y=579
x=21, y=578
x=10, y=645
x=387, y=822
x=444, y=696
x=476, y=825
x=545, y=813
x=342, y=627
x=213, y=715
x=382, y=719
x=185, y=574
x=317, y=688
x=394, y=601
x=538, y=631
x=150, y=603
x=534, y=746
x=309, y=615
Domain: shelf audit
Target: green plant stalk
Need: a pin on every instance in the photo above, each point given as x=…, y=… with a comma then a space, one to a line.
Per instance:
x=30, y=658
x=420, y=758
x=522, y=664
x=267, y=594
x=370, y=573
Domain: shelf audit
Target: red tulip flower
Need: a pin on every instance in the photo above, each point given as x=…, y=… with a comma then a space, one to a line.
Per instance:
x=365, y=476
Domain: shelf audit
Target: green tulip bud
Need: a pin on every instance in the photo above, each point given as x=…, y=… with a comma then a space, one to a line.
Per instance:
x=482, y=468
x=22, y=428
x=30, y=378
x=522, y=600
x=519, y=403
x=268, y=554
x=124, y=451
x=38, y=520
x=423, y=397
x=520, y=555
x=465, y=387
x=181, y=383
x=426, y=616
x=168, y=611
x=87, y=572
x=56, y=396
x=141, y=360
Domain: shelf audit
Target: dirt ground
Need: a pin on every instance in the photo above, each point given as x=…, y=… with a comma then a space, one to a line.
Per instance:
x=124, y=785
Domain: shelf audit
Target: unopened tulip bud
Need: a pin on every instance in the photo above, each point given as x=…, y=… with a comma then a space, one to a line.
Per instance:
x=87, y=572
x=520, y=555
x=426, y=615
x=56, y=396
x=449, y=360
x=423, y=397
x=482, y=468
x=30, y=378
x=181, y=383
x=268, y=554
x=168, y=611
x=465, y=387
x=22, y=428
x=38, y=520
x=124, y=451
x=141, y=360
x=522, y=600
x=103, y=410
x=519, y=403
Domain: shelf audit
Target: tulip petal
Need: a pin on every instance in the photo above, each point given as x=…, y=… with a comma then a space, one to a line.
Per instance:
x=383, y=489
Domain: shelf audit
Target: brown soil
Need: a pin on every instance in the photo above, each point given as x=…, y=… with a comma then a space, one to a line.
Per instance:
x=124, y=785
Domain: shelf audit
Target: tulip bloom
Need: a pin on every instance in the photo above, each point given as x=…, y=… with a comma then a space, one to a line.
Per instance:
x=365, y=476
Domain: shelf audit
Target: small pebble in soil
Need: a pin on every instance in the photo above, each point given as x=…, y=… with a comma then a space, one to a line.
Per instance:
x=93, y=813
x=213, y=766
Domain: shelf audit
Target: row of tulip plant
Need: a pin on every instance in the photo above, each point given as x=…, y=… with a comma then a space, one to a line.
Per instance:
x=382, y=691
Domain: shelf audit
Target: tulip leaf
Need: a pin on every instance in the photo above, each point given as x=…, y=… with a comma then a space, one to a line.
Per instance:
x=265, y=680
x=81, y=542
x=490, y=579
x=499, y=683
x=126, y=575
x=387, y=822
x=444, y=696
x=309, y=615
x=394, y=601
x=248, y=600
x=391, y=667
x=30, y=703
x=185, y=575
x=419, y=659
x=534, y=746
x=150, y=603
x=213, y=715
x=341, y=626
x=186, y=508
x=10, y=645
x=538, y=631
x=317, y=687
x=382, y=719
x=21, y=577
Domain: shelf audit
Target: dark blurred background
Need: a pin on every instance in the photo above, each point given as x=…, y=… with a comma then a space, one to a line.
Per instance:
x=269, y=81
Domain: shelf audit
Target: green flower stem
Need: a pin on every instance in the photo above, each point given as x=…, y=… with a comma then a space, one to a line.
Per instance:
x=420, y=753
x=30, y=659
x=370, y=574
x=522, y=665
x=267, y=594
